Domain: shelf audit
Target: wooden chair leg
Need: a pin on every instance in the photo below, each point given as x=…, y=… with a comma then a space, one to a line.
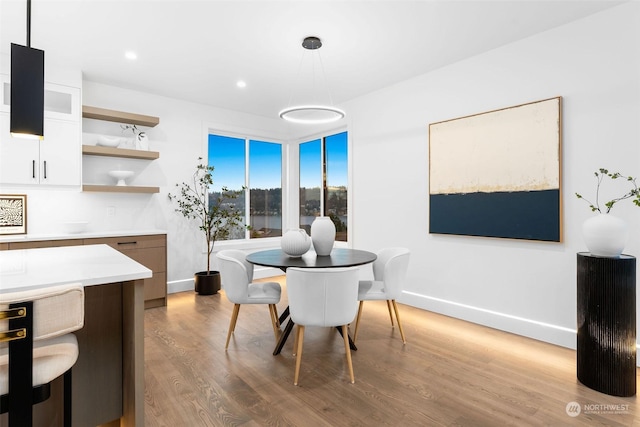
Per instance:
x=275, y=315
x=395, y=308
x=390, y=313
x=355, y=332
x=232, y=325
x=299, y=340
x=274, y=320
x=347, y=349
x=295, y=343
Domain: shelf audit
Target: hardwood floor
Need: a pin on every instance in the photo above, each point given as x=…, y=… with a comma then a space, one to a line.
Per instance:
x=450, y=373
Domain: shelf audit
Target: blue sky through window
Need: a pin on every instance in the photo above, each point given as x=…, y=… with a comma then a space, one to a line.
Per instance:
x=265, y=165
x=336, y=149
x=310, y=164
x=226, y=155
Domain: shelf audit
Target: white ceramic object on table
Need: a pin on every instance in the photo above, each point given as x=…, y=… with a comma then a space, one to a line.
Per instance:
x=121, y=176
x=323, y=234
x=295, y=242
x=75, y=227
x=109, y=141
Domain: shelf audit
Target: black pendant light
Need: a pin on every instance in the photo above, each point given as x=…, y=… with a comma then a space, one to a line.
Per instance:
x=27, y=88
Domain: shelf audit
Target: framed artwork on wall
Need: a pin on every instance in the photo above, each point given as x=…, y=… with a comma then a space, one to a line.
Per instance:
x=498, y=173
x=13, y=214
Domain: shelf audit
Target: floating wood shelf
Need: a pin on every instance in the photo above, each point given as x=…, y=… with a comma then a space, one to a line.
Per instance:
x=97, y=150
x=118, y=116
x=120, y=188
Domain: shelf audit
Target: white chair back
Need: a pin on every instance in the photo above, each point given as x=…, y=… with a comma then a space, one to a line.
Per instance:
x=391, y=268
x=322, y=296
x=235, y=273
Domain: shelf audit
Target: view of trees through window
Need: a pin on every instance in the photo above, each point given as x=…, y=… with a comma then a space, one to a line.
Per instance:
x=323, y=182
x=232, y=157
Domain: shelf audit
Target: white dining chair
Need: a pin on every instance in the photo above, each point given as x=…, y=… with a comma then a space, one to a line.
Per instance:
x=389, y=272
x=236, y=274
x=322, y=297
x=37, y=345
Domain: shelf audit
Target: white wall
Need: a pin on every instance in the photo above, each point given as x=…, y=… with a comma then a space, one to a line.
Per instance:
x=594, y=64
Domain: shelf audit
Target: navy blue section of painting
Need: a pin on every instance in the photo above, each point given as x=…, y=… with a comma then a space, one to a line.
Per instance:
x=531, y=215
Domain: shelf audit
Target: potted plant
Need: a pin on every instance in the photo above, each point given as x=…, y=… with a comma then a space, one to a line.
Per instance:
x=600, y=175
x=606, y=235
x=218, y=217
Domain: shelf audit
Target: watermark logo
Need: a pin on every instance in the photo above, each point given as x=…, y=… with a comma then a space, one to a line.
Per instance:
x=573, y=409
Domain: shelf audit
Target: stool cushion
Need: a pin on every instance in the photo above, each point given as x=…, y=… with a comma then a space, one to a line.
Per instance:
x=58, y=310
x=51, y=358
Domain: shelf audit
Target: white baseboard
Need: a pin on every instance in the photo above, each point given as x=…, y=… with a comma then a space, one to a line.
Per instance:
x=554, y=334
x=176, y=286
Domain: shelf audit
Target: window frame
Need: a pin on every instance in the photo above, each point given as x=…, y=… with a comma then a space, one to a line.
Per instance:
x=296, y=178
x=249, y=135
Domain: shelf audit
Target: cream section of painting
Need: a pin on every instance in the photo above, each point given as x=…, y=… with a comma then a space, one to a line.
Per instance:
x=513, y=149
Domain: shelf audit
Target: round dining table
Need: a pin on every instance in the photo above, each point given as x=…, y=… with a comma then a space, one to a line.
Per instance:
x=339, y=257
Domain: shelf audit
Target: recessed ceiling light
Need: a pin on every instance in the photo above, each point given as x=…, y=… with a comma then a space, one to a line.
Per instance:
x=131, y=55
x=241, y=83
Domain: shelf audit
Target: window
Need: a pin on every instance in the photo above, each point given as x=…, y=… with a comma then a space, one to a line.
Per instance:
x=324, y=183
x=231, y=158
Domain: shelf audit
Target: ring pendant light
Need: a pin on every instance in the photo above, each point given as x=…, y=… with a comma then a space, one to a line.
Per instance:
x=312, y=113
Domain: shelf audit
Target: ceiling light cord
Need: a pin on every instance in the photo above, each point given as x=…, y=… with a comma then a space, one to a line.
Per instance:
x=324, y=75
x=28, y=23
x=290, y=103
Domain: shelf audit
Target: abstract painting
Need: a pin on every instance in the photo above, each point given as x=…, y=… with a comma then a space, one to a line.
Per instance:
x=497, y=174
x=13, y=214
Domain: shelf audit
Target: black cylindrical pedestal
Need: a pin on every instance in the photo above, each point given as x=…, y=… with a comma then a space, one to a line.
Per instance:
x=606, y=350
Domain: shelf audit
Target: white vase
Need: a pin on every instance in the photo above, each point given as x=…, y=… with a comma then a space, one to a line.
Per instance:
x=323, y=234
x=295, y=242
x=605, y=235
x=142, y=143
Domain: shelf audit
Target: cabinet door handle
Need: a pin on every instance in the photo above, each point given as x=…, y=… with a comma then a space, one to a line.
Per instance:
x=45, y=169
x=128, y=243
x=33, y=169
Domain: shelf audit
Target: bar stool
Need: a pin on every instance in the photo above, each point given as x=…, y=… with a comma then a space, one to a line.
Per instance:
x=37, y=346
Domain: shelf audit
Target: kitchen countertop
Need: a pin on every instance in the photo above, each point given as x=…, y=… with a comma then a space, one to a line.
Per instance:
x=25, y=269
x=85, y=235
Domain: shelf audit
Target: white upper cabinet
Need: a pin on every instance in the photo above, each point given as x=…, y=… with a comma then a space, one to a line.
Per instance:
x=53, y=161
x=60, y=101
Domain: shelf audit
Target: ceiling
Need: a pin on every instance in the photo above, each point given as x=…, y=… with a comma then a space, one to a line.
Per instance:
x=198, y=50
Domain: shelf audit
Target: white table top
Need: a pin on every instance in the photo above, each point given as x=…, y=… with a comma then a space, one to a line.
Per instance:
x=25, y=269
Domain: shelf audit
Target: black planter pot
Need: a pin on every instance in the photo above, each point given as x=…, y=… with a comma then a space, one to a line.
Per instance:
x=207, y=284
